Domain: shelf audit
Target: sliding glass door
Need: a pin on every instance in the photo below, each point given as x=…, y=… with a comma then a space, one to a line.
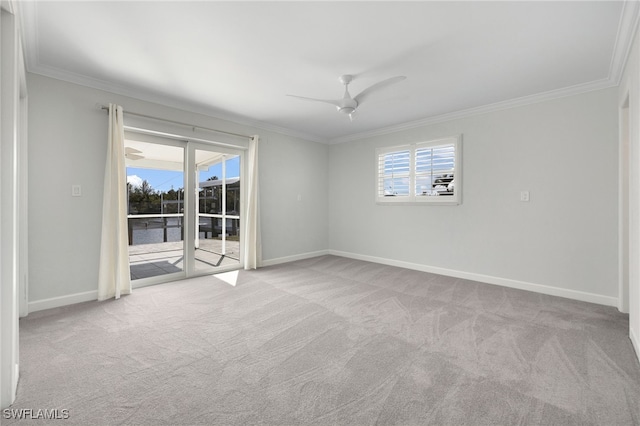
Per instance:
x=155, y=199
x=218, y=199
x=184, y=208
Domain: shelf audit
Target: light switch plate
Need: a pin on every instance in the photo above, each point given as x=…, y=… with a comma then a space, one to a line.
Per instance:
x=76, y=191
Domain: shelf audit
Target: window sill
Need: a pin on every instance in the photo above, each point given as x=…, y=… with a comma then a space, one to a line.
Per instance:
x=419, y=202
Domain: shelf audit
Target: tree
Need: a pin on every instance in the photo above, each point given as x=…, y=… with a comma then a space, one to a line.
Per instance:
x=144, y=199
x=146, y=190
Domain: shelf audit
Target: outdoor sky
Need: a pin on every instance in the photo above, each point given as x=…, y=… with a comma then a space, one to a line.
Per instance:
x=164, y=180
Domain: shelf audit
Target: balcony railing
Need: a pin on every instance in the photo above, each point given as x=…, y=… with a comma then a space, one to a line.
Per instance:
x=156, y=228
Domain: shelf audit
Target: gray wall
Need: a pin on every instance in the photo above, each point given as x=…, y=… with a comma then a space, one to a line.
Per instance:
x=67, y=145
x=563, y=151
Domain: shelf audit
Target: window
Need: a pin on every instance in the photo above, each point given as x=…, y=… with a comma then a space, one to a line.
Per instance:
x=426, y=172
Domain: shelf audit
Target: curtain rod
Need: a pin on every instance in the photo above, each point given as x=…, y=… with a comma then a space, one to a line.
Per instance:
x=181, y=124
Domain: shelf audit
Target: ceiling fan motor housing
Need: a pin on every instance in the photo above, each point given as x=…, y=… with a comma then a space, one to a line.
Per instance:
x=345, y=79
x=347, y=105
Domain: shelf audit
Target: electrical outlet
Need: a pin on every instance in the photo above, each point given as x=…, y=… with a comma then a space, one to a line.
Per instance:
x=76, y=191
x=524, y=196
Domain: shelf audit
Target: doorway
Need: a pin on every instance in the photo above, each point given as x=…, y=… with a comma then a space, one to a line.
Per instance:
x=184, y=203
x=623, y=209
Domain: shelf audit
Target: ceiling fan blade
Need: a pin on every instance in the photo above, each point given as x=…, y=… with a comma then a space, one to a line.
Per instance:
x=129, y=150
x=327, y=101
x=380, y=85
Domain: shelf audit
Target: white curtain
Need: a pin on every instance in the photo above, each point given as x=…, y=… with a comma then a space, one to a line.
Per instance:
x=252, y=245
x=114, y=279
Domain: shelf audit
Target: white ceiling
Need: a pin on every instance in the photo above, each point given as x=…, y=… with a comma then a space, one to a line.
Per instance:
x=238, y=60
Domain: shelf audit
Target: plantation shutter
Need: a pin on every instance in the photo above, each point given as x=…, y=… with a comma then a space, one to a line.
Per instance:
x=394, y=173
x=435, y=170
x=422, y=173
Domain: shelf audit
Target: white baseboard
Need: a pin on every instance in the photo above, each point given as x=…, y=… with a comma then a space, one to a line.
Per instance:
x=16, y=380
x=505, y=282
x=56, y=302
x=286, y=259
x=635, y=341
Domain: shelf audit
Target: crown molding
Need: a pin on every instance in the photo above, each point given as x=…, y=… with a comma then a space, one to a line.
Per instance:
x=7, y=5
x=484, y=109
x=29, y=33
x=627, y=29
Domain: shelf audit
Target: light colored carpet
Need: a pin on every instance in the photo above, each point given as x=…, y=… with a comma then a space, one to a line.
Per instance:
x=329, y=341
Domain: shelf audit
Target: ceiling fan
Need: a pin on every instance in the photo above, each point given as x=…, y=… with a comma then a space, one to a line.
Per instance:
x=132, y=153
x=348, y=105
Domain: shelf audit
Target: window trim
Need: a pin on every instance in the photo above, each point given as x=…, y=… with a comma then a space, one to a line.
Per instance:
x=413, y=199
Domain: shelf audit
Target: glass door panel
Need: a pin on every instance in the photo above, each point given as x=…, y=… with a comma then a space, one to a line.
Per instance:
x=217, y=242
x=155, y=200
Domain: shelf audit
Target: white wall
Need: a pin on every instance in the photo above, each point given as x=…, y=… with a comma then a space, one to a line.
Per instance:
x=563, y=242
x=67, y=145
x=629, y=89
